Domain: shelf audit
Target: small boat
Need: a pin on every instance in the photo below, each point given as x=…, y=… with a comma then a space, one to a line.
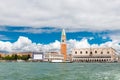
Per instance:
x=20, y=61
x=60, y=61
x=57, y=61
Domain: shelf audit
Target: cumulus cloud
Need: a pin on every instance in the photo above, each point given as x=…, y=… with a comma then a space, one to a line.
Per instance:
x=24, y=44
x=85, y=44
x=5, y=46
x=82, y=14
x=72, y=43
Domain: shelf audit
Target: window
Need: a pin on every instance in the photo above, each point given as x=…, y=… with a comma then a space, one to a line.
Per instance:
x=101, y=52
x=95, y=51
x=75, y=52
x=90, y=52
x=62, y=40
x=80, y=52
x=108, y=52
x=86, y=52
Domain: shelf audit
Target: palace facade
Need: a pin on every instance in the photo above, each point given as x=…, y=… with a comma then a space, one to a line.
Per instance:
x=94, y=55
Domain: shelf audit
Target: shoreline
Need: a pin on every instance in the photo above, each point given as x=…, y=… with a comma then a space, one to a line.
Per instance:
x=49, y=62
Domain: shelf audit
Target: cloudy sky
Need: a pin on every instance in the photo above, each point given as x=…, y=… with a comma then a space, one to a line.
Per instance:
x=34, y=25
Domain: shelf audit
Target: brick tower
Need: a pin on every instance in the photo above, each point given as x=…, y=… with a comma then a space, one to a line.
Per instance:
x=63, y=45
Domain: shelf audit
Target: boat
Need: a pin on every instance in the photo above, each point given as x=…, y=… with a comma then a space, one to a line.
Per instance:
x=57, y=61
x=20, y=61
x=60, y=61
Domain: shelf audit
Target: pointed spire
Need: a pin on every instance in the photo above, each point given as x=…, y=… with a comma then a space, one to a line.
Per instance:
x=63, y=37
x=63, y=32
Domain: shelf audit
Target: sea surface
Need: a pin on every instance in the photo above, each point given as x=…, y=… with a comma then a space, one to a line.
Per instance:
x=59, y=71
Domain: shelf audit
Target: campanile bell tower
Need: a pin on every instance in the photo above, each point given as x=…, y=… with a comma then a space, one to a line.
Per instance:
x=63, y=45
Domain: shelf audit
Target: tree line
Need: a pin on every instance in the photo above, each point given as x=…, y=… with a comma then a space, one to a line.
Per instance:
x=16, y=57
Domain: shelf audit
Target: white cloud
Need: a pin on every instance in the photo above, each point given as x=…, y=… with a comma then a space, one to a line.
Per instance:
x=82, y=14
x=21, y=43
x=55, y=46
x=5, y=46
x=24, y=44
x=115, y=43
x=78, y=44
x=72, y=43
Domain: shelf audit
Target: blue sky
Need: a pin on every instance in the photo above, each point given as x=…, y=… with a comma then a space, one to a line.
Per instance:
x=47, y=36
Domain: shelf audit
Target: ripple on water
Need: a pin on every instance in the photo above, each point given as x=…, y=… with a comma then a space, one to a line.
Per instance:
x=49, y=71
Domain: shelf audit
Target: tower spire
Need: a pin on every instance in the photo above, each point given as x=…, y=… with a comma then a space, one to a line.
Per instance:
x=63, y=32
x=63, y=37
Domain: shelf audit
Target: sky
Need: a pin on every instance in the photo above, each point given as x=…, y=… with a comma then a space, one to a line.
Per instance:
x=35, y=25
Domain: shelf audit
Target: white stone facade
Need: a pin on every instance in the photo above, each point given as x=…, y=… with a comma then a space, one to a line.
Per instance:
x=93, y=55
x=53, y=56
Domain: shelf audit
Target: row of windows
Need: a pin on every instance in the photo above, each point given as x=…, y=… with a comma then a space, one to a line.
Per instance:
x=92, y=57
x=95, y=60
x=91, y=52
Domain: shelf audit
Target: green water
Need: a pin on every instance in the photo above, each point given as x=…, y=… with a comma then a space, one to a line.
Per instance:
x=59, y=71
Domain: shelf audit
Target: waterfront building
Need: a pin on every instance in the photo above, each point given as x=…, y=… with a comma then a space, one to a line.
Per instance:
x=37, y=56
x=69, y=57
x=23, y=54
x=63, y=45
x=94, y=55
x=2, y=54
x=53, y=56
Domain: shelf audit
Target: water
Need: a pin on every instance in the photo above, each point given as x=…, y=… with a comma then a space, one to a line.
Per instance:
x=59, y=71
